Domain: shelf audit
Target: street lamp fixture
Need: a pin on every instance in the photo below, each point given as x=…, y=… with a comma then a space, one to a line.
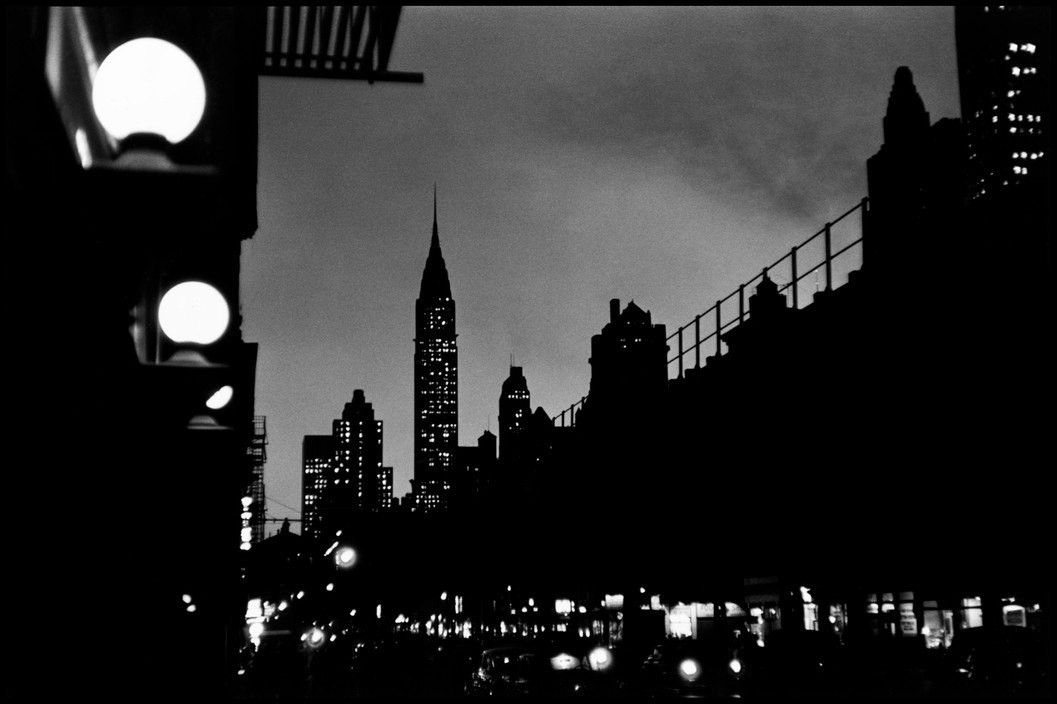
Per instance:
x=149, y=86
x=193, y=311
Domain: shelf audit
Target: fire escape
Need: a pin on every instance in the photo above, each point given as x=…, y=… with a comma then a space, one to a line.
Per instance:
x=258, y=455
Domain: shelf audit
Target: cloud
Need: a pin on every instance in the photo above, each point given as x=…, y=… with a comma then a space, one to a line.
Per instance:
x=759, y=105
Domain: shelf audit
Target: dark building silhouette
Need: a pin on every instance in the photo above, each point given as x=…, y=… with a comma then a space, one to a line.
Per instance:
x=436, y=424
x=514, y=411
x=280, y=565
x=540, y=427
x=629, y=370
x=317, y=461
x=917, y=176
x=359, y=481
x=475, y=472
x=1004, y=54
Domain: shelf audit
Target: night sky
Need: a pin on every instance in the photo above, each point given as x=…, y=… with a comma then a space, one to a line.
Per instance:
x=659, y=155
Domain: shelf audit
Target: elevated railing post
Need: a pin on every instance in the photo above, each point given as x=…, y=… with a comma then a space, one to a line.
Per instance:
x=741, y=304
x=697, y=342
x=829, y=260
x=719, y=326
x=796, y=298
x=680, y=353
x=865, y=204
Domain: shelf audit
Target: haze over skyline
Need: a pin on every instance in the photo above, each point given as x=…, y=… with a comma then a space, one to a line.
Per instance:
x=661, y=155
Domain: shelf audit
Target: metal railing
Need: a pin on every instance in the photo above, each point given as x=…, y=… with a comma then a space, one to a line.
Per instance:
x=571, y=411
x=713, y=316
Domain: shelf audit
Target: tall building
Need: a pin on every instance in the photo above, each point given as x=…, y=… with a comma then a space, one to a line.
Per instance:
x=514, y=412
x=317, y=458
x=358, y=482
x=917, y=177
x=342, y=473
x=1004, y=82
x=436, y=424
x=384, y=489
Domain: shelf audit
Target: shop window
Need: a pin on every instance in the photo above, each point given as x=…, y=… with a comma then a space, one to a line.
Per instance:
x=972, y=613
x=837, y=618
x=908, y=620
x=938, y=625
x=810, y=617
x=1015, y=615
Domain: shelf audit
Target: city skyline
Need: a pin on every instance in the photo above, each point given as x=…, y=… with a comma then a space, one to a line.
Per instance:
x=795, y=299
x=559, y=188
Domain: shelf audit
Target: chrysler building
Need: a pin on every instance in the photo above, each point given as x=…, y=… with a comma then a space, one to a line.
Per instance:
x=436, y=424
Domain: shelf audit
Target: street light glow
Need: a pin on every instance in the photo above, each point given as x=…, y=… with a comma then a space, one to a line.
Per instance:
x=345, y=557
x=149, y=85
x=315, y=637
x=193, y=311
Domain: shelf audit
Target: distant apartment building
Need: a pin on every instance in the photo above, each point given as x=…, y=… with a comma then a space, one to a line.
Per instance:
x=342, y=473
x=317, y=458
x=1004, y=84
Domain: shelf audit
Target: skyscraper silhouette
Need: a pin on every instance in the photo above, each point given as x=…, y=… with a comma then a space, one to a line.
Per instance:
x=436, y=381
x=514, y=412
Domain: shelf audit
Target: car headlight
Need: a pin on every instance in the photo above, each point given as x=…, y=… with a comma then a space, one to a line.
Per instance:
x=564, y=661
x=735, y=666
x=689, y=670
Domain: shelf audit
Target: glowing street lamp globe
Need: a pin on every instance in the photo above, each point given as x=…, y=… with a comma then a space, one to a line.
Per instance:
x=193, y=311
x=345, y=557
x=149, y=85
